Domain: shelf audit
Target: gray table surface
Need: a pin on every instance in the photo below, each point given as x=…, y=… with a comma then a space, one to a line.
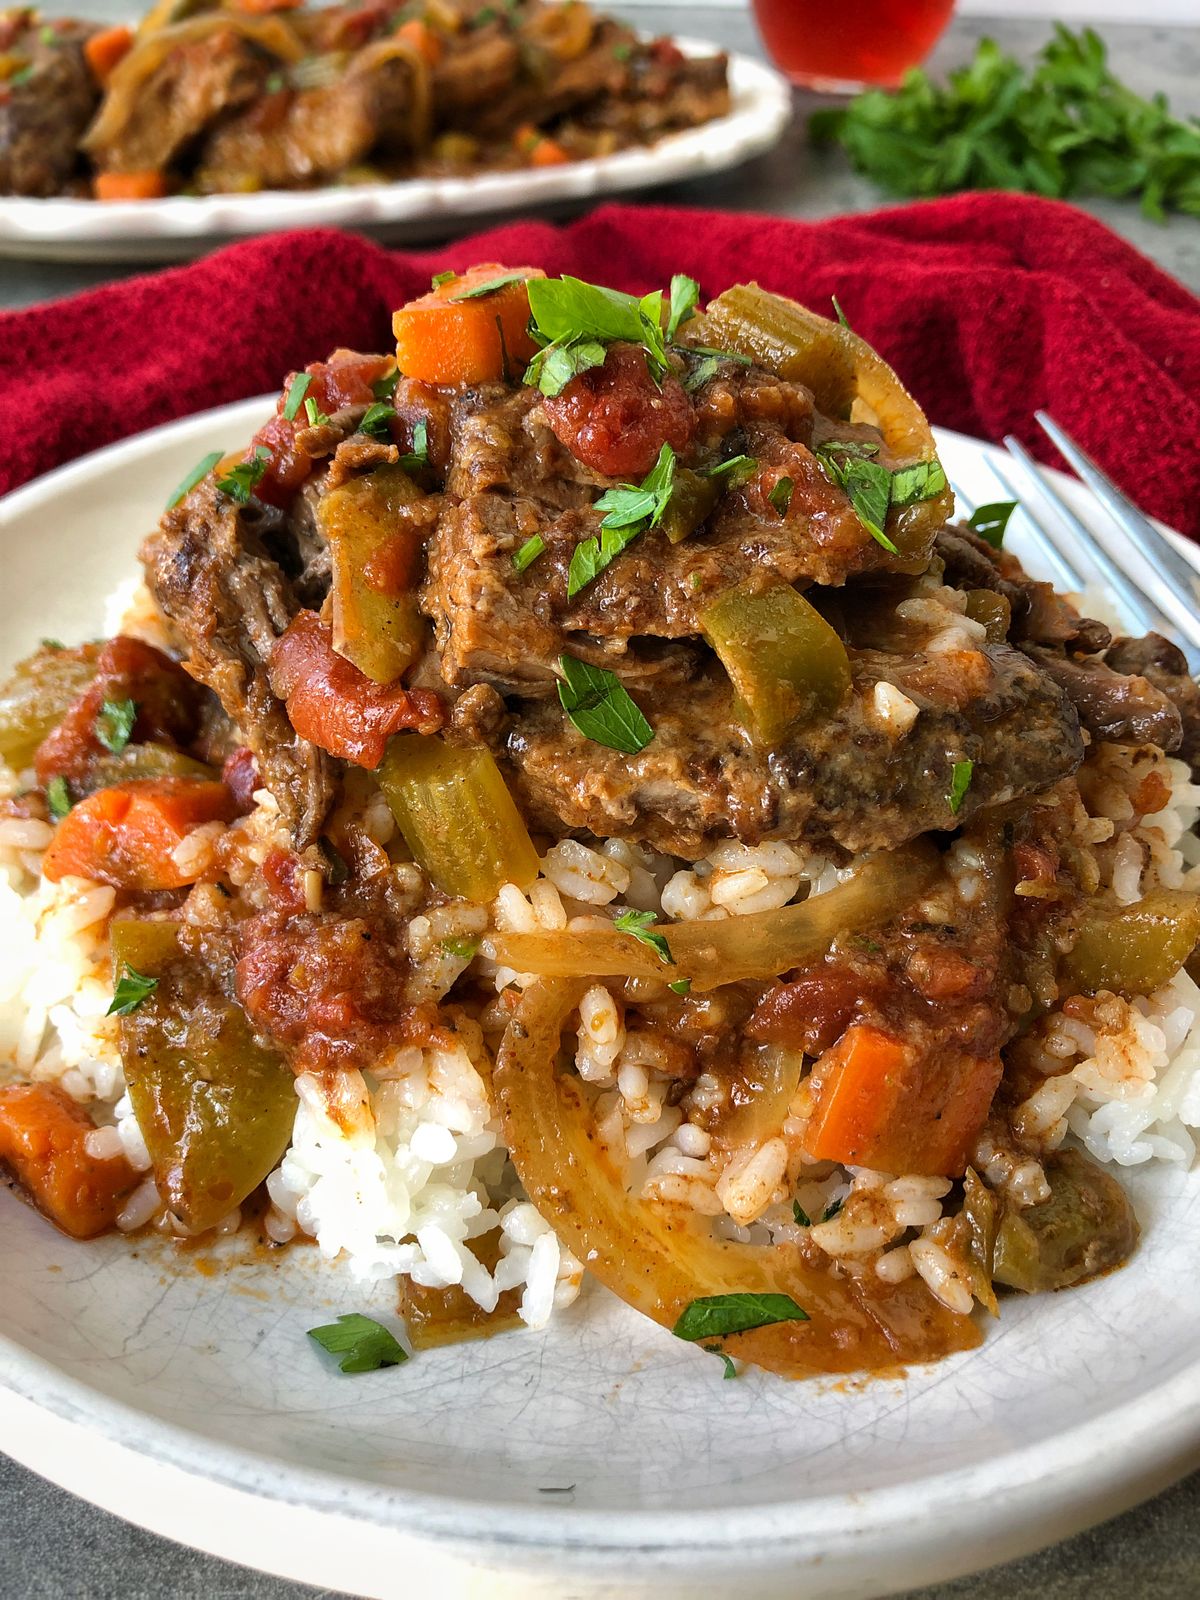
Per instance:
x=52, y=1545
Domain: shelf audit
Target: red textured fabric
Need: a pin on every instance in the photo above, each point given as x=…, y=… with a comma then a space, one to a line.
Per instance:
x=988, y=306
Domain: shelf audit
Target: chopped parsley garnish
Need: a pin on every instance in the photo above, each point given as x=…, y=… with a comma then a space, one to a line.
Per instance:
x=48, y=35
x=461, y=949
x=599, y=705
x=58, y=798
x=576, y=320
x=240, y=482
x=628, y=512
x=114, y=724
x=53, y=644
x=960, y=782
x=800, y=1216
x=639, y=924
x=622, y=52
x=316, y=417
x=991, y=521
x=715, y=1350
x=376, y=419
x=23, y=76
x=781, y=496
x=297, y=389
x=681, y=986
x=685, y=296
x=199, y=471
x=718, y=1314
x=831, y=1210
x=384, y=388
x=439, y=278
x=132, y=989
x=921, y=481
x=736, y=471
x=841, y=315
x=704, y=370
x=482, y=18
x=867, y=485
x=478, y=290
x=720, y=355
x=364, y=1344
x=418, y=456
x=274, y=83
x=529, y=552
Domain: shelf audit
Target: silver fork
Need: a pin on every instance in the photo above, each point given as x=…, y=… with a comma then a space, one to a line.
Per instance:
x=1124, y=552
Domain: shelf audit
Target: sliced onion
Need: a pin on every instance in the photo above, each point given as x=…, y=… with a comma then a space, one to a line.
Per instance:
x=712, y=953
x=659, y=1261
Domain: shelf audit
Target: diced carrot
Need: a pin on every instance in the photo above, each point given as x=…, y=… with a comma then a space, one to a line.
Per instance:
x=105, y=49
x=884, y=1104
x=43, y=1138
x=264, y=7
x=446, y=338
x=538, y=148
x=150, y=185
x=126, y=835
x=422, y=38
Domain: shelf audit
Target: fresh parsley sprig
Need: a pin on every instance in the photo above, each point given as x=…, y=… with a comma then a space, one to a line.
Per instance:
x=639, y=925
x=715, y=1315
x=114, y=724
x=990, y=522
x=198, y=473
x=960, y=782
x=240, y=482
x=872, y=488
x=364, y=1344
x=628, y=511
x=575, y=322
x=58, y=798
x=132, y=989
x=600, y=706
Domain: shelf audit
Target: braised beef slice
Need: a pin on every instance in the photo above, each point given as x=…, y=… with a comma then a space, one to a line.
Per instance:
x=1121, y=708
x=842, y=781
x=43, y=116
x=1039, y=615
x=209, y=568
x=1163, y=664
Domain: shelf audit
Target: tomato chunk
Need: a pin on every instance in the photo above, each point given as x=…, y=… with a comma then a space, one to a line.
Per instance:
x=344, y=380
x=167, y=702
x=616, y=419
x=43, y=1136
x=887, y=1105
x=126, y=835
x=334, y=705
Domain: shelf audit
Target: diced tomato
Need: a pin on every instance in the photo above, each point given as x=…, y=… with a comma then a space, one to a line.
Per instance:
x=885, y=1104
x=334, y=705
x=126, y=835
x=810, y=1012
x=43, y=1139
x=281, y=871
x=345, y=29
x=167, y=700
x=616, y=419
x=344, y=380
x=240, y=777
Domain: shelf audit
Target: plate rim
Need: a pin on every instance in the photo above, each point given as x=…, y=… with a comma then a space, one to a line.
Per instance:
x=1158, y=1431
x=761, y=110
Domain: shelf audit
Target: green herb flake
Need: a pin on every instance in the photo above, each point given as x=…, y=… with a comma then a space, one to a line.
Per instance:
x=274, y=83
x=703, y=372
x=418, y=456
x=552, y=369
x=639, y=924
x=460, y=949
x=960, y=782
x=133, y=988
x=481, y=20
x=622, y=52
x=684, y=298
x=21, y=77
x=866, y=484
x=524, y=558
x=567, y=311
x=364, y=1344
x=920, y=481
x=478, y=290
x=114, y=724
x=52, y=644
x=681, y=986
x=384, y=388
x=781, y=496
x=715, y=1350
x=715, y=1315
x=439, y=278
x=990, y=522
x=841, y=315
x=48, y=35
x=735, y=471
x=58, y=798
x=316, y=417
x=831, y=1210
x=240, y=482
x=720, y=355
x=628, y=511
x=297, y=389
x=200, y=471
x=800, y=1216
x=599, y=705
x=376, y=421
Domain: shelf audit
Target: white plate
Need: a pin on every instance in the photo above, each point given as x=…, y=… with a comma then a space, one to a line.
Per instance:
x=416, y=208
x=196, y=1406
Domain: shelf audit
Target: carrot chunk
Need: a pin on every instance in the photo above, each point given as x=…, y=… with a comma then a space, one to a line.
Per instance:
x=459, y=335
x=423, y=39
x=150, y=185
x=43, y=1136
x=104, y=49
x=126, y=835
x=885, y=1104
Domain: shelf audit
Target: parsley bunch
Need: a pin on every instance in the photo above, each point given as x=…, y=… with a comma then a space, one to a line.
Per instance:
x=1066, y=127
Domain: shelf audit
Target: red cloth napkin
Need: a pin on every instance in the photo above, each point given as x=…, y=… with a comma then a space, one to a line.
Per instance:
x=988, y=306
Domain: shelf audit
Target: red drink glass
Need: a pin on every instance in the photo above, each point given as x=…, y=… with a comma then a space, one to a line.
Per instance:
x=840, y=46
